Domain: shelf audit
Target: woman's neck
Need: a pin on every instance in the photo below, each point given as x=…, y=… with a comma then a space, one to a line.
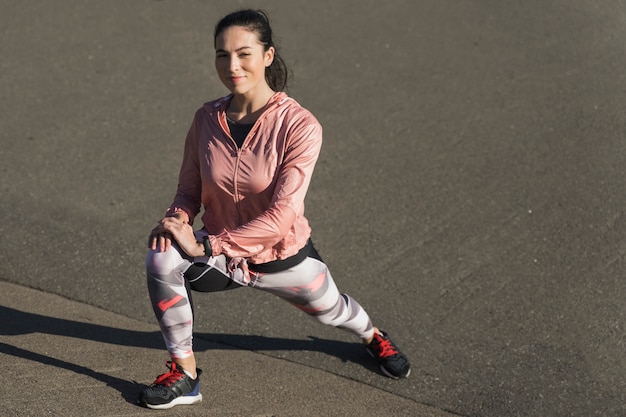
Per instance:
x=246, y=109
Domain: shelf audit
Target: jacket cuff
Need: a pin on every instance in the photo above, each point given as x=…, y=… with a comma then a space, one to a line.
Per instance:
x=216, y=245
x=173, y=210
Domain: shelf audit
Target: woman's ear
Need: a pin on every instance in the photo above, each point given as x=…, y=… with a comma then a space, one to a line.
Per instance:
x=269, y=56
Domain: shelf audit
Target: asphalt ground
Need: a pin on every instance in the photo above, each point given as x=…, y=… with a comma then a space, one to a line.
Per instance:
x=470, y=194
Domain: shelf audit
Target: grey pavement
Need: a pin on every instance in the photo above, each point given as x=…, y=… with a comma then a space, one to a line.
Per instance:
x=66, y=358
x=470, y=194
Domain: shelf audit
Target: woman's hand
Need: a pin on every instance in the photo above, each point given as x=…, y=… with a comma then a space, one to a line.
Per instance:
x=159, y=238
x=174, y=228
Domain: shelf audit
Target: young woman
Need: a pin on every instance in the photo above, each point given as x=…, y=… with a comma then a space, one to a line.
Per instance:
x=248, y=161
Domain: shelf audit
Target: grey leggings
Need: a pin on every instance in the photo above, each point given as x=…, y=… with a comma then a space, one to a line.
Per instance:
x=307, y=285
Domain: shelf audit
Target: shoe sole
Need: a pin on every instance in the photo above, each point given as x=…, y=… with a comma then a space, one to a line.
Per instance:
x=183, y=400
x=387, y=373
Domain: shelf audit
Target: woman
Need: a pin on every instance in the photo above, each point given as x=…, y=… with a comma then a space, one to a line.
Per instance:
x=248, y=160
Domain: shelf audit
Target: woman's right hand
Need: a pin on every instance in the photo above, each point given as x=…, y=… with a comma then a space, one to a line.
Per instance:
x=159, y=238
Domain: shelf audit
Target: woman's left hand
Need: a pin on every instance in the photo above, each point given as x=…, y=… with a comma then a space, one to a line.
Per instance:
x=182, y=233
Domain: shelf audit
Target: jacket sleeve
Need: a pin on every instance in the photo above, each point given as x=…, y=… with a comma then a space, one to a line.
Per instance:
x=189, y=191
x=265, y=231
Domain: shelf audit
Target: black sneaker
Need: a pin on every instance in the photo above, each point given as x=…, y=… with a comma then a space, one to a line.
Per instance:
x=392, y=362
x=172, y=388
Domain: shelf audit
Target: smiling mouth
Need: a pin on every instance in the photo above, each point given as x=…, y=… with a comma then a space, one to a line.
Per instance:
x=236, y=79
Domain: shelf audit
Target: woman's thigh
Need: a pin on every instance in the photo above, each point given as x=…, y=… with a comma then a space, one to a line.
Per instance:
x=308, y=285
x=211, y=276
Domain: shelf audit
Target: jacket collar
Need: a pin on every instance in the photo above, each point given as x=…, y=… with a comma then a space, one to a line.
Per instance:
x=277, y=99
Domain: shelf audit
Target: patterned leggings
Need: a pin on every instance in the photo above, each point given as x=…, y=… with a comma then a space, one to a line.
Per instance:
x=308, y=286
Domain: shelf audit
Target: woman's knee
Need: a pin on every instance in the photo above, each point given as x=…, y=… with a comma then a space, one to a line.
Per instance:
x=333, y=316
x=164, y=263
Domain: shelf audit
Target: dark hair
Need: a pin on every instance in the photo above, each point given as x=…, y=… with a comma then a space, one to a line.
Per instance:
x=258, y=22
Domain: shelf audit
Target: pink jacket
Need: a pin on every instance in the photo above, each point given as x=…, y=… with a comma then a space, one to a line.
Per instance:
x=253, y=197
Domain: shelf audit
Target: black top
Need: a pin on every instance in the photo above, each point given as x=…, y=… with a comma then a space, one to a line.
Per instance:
x=239, y=131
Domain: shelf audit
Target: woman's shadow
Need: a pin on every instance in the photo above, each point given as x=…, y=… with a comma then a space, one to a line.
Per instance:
x=15, y=322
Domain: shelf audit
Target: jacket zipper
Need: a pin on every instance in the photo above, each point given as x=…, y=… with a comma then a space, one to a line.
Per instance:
x=237, y=162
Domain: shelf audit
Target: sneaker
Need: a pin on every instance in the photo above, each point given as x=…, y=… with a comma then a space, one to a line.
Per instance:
x=392, y=362
x=172, y=388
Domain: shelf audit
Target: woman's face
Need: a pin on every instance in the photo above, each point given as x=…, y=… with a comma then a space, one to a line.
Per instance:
x=240, y=60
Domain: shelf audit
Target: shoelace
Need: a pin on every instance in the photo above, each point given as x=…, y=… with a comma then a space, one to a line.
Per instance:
x=385, y=348
x=168, y=378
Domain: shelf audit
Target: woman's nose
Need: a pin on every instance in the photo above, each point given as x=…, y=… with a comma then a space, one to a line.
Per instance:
x=234, y=63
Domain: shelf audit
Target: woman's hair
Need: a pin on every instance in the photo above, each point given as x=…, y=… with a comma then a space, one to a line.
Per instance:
x=258, y=22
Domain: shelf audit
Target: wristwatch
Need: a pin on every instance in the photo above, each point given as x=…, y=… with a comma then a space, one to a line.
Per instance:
x=207, y=246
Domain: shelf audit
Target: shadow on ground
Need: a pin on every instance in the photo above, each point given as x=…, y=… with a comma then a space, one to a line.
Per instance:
x=16, y=322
